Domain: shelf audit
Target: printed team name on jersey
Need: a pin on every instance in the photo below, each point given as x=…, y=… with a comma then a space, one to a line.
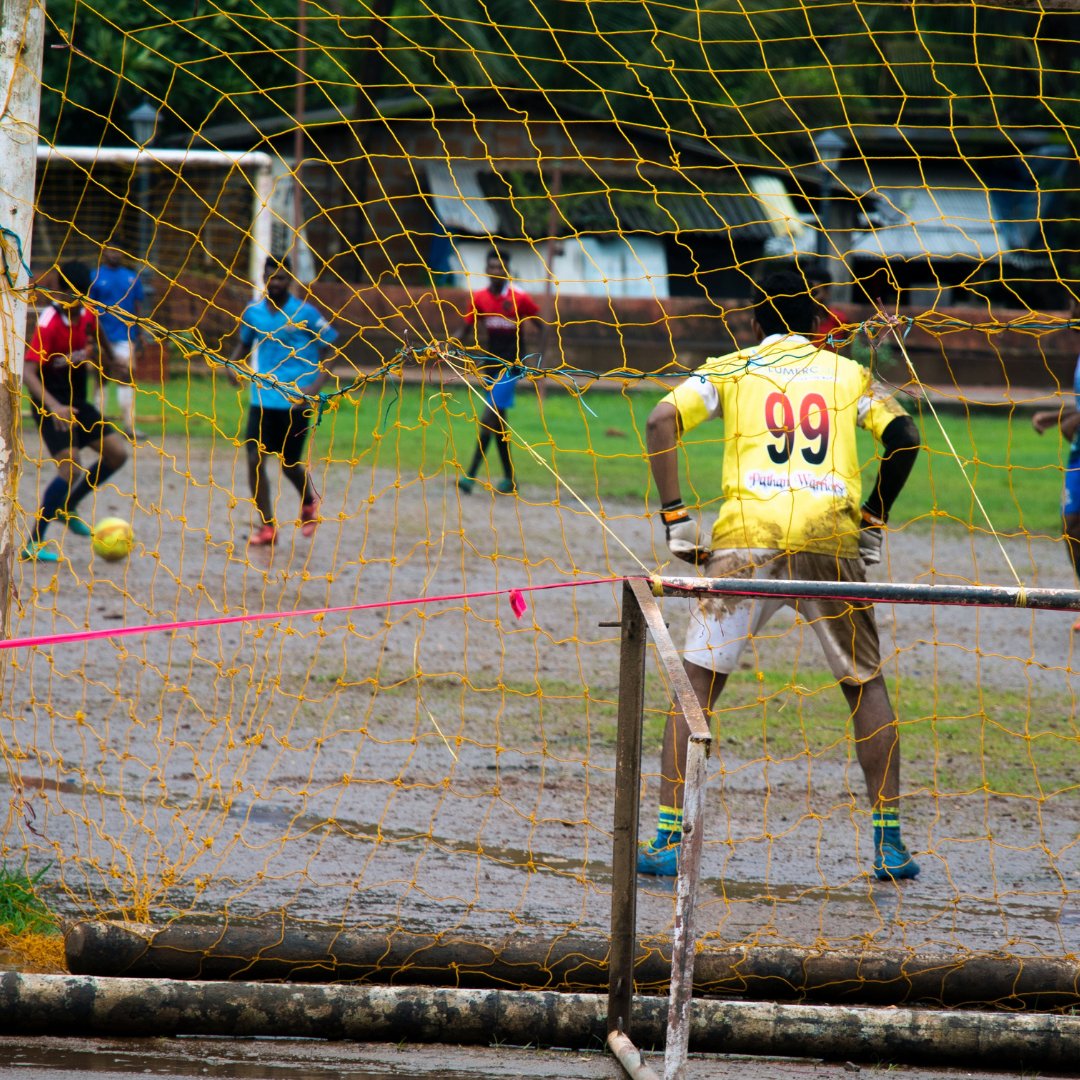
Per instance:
x=791, y=374
x=829, y=484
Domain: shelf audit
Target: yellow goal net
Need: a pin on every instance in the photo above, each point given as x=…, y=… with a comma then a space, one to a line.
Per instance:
x=356, y=662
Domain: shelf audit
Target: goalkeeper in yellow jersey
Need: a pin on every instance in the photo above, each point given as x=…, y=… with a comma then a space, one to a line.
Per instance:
x=792, y=509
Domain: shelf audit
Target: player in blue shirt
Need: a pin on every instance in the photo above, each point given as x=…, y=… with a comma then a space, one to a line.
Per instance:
x=118, y=286
x=1067, y=418
x=287, y=339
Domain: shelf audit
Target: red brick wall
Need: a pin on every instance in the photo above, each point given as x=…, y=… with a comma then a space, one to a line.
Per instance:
x=639, y=335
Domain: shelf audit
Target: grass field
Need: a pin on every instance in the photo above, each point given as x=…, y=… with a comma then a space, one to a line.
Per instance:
x=1020, y=742
x=1016, y=473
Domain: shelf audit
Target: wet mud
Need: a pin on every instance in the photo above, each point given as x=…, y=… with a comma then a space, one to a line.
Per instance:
x=444, y=764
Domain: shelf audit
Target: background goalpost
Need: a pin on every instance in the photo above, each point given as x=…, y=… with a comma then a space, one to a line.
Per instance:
x=168, y=180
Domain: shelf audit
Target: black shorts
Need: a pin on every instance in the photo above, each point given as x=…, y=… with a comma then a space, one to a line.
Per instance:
x=279, y=431
x=85, y=428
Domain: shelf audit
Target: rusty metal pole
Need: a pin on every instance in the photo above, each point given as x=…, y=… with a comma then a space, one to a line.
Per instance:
x=299, y=110
x=684, y=942
x=625, y=832
x=21, y=39
x=549, y=333
x=880, y=592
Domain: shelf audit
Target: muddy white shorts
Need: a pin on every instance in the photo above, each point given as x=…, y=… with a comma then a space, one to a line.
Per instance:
x=721, y=626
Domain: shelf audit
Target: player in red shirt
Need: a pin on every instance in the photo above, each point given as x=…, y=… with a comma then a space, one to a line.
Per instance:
x=830, y=320
x=829, y=323
x=497, y=315
x=63, y=352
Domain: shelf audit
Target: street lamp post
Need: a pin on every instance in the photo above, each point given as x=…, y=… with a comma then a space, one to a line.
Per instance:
x=830, y=146
x=143, y=119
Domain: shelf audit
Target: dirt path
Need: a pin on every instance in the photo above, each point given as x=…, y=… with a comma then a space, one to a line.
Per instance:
x=300, y=765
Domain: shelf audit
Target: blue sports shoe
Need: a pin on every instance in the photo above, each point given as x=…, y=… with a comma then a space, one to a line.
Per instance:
x=74, y=523
x=658, y=861
x=38, y=551
x=893, y=862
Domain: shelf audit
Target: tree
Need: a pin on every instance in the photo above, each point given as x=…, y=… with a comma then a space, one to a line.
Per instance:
x=200, y=61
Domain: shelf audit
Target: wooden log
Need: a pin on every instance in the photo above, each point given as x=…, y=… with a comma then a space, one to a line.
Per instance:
x=89, y=1006
x=279, y=950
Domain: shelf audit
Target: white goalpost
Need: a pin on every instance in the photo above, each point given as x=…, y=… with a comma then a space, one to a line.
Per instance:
x=167, y=190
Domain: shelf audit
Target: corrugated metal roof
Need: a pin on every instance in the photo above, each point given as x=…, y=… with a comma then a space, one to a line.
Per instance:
x=660, y=211
x=950, y=216
x=939, y=222
x=741, y=213
x=777, y=207
x=458, y=200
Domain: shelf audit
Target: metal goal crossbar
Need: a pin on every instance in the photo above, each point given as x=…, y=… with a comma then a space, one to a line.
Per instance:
x=641, y=616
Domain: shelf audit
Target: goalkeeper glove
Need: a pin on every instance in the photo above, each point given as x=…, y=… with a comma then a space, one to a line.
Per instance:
x=871, y=537
x=682, y=534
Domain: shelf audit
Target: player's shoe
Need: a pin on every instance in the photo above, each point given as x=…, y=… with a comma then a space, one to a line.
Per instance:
x=893, y=862
x=309, y=517
x=264, y=536
x=74, y=523
x=38, y=551
x=465, y=485
x=658, y=861
x=1076, y=627
x=506, y=486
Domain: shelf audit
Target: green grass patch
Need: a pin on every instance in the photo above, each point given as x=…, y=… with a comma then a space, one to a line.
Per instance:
x=954, y=738
x=599, y=449
x=22, y=911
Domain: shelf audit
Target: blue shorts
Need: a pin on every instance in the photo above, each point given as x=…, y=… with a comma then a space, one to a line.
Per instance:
x=501, y=395
x=1070, y=495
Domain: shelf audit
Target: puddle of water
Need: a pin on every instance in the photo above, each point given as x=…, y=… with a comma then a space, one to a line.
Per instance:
x=284, y=1059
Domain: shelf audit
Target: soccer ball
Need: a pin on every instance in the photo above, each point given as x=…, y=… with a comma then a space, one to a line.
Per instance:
x=113, y=539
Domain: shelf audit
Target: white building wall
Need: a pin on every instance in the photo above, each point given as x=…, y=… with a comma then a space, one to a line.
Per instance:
x=607, y=266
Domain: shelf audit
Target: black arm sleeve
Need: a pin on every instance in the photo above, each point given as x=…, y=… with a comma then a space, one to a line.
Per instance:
x=900, y=447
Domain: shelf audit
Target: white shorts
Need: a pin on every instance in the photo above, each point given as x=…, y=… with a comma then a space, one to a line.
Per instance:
x=123, y=352
x=721, y=626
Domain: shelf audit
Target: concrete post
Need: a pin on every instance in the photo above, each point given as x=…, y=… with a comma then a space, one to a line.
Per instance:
x=21, y=37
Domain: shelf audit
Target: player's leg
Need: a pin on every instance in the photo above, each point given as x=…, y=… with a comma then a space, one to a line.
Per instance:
x=296, y=472
x=716, y=634
x=53, y=498
x=259, y=483
x=502, y=400
x=487, y=425
x=502, y=444
x=877, y=744
x=660, y=855
x=101, y=437
x=1071, y=530
x=264, y=433
x=60, y=438
x=124, y=358
x=849, y=637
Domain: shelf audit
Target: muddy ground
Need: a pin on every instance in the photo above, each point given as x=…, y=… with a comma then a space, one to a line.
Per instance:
x=301, y=765
x=286, y=1059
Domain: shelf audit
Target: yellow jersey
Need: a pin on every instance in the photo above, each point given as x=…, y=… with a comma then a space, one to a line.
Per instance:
x=790, y=476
